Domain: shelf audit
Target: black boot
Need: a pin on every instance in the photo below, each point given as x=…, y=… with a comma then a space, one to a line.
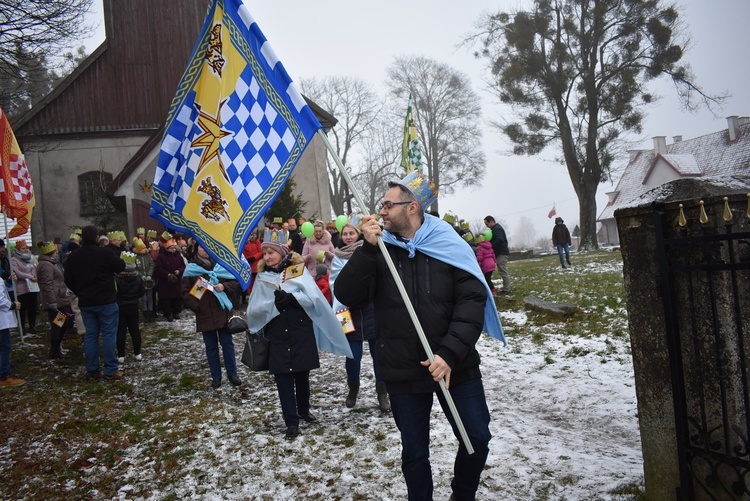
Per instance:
x=351, y=398
x=383, y=401
x=55, y=340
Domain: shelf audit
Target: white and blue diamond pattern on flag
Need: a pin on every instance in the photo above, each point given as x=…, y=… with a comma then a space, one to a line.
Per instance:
x=236, y=129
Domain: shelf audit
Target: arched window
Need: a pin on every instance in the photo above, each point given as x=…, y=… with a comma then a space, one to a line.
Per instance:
x=91, y=186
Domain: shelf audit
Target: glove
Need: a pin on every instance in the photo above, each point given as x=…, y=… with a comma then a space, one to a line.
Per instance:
x=282, y=299
x=172, y=277
x=251, y=259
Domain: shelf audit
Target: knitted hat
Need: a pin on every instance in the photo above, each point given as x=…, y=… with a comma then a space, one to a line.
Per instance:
x=424, y=190
x=321, y=270
x=276, y=240
x=47, y=248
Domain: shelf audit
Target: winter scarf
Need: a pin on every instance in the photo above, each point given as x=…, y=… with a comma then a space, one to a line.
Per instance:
x=218, y=271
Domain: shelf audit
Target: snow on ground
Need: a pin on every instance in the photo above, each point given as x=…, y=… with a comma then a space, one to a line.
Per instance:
x=563, y=422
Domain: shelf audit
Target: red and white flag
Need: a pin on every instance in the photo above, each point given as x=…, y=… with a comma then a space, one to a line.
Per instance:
x=552, y=213
x=16, y=192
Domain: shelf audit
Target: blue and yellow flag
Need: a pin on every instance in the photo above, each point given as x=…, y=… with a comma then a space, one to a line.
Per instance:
x=236, y=128
x=411, y=151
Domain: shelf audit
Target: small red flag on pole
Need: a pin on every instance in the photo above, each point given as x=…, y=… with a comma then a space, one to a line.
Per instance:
x=552, y=213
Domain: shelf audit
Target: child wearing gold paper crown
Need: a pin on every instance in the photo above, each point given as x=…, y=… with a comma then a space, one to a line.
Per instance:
x=130, y=289
x=144, y=265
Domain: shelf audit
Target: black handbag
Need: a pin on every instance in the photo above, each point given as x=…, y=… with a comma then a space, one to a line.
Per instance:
x=255, y=354
x=236, y=324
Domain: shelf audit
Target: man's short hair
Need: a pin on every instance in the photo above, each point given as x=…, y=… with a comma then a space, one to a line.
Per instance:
x=408, y=196
x=89, y=234
x=489, y=219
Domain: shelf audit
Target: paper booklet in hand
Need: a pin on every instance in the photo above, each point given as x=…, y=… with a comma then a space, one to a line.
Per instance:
x=200, y=287
x=294, y=271
x=345, y=318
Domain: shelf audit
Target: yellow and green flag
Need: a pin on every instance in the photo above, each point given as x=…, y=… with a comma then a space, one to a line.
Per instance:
x=411, y=150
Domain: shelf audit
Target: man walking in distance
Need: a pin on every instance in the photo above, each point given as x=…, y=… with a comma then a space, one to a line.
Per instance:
x=90, y=274
x=450, y=296
x=500, y=245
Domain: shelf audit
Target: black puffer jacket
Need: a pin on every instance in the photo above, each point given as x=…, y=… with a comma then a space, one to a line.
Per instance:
x=130, y=287
x=449, y=303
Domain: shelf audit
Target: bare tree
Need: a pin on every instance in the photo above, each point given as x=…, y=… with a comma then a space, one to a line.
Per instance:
x=447, y=114
x=381, y=157
x=575, y=73
x=525, y=233
x=356, y=106
x=33, y=36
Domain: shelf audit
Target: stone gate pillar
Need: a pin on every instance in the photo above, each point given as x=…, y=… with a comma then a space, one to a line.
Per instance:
x=662, y=417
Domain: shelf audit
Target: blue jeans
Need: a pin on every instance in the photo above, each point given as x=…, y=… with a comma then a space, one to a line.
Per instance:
x=212, y=339
x=354, y=364
x=566, y=249
x=412, y=415
x=104, y=319
x=5, y=347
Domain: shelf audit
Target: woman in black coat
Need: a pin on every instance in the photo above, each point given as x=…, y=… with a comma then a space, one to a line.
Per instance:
x=293, y=351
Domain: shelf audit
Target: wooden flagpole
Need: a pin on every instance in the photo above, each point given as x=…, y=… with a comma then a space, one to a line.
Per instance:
x=404, y=296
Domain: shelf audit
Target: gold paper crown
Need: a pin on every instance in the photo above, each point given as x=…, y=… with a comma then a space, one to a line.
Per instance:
x=280, y=237
x=468, y=237
x=122, y=235
x=423, y=189
x=138, y=244
x=165, y=236
x=151, y=234
x=464, y=225
x=279, y=220
x=112, y=235
x=47, y=247
x=355, y=220
x=76, y=237
x=140, y=230
x=449, y=218
x=128, y=257
x=78, y=231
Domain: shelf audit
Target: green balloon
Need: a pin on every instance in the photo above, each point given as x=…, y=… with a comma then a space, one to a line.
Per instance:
x=488, y=235
x=307, y=229
x=340, y=222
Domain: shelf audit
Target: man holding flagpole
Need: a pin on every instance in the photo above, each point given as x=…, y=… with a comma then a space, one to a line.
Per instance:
x=452, y=301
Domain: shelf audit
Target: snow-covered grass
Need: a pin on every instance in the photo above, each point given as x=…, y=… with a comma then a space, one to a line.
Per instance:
x=561, y=396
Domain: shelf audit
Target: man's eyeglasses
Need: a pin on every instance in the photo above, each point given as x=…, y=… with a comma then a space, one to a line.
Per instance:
x=387, y=205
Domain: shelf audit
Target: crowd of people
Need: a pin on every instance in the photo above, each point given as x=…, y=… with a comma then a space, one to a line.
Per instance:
x=329, y=290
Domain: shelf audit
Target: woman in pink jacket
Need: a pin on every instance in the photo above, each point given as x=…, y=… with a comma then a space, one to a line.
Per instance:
x=486, y=258
x=318, y=245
